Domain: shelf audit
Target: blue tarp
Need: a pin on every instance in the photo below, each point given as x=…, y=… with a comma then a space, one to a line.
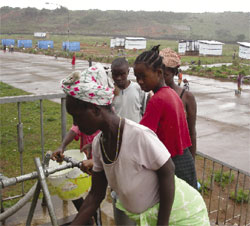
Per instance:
x=8, y=42
x=71, y=46
x=45, y=44
x=24, y=43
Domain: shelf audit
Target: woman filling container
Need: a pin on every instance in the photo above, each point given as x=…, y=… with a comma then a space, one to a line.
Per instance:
x=132, y=160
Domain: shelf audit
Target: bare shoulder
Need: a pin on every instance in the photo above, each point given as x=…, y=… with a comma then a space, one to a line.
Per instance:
x=189, y=97
x=189, y=100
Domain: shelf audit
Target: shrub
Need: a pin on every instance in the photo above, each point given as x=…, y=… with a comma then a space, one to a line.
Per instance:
x=223, y=179
x=193, y=68
x=242, y=196
x=208, y=69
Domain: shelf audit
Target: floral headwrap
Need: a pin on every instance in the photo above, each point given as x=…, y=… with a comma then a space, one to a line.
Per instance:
x=91, y=85
x=170, y=58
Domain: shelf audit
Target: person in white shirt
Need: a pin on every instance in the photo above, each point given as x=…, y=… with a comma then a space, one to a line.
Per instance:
x=130, y=102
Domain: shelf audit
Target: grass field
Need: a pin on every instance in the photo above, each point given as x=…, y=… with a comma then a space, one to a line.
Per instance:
x=30, y=117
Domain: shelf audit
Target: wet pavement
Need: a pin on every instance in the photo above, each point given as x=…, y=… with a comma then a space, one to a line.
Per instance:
x=223, y=118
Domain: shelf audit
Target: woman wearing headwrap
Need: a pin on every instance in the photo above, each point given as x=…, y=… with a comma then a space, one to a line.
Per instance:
x=99, y=74
x=188, y=99
x=132, y=160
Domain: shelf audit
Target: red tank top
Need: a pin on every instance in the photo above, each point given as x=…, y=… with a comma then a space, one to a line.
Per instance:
x=165, y=116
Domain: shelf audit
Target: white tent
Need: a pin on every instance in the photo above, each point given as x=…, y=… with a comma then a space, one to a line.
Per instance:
x=40, y=34
x=117, y=42
x=244, y=50
x=213, y=48
x=188, y=45
x=135, y=43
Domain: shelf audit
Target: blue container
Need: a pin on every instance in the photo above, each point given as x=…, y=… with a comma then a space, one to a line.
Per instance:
x=24, y=43
x=8, y=42
x=71, y=46
x=45, y=44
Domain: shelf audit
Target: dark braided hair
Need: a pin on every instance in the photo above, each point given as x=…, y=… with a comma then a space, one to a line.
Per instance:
x=150, y=58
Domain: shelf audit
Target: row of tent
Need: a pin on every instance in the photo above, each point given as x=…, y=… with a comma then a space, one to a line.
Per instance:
x=41, y=44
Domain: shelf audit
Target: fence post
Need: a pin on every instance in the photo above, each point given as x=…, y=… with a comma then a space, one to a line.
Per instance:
x=41, y=126
x=63, y=117
x=20, y=139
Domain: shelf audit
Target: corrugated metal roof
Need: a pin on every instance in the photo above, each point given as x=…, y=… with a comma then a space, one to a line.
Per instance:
x=247, y=44
x=212, y=42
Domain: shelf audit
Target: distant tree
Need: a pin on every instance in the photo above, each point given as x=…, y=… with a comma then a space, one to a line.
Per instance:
x=223, y=34
x=240, y=37
x=61, y=10
x=30, y=12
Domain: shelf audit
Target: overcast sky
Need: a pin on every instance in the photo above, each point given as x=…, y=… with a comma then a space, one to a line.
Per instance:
x=196, y=6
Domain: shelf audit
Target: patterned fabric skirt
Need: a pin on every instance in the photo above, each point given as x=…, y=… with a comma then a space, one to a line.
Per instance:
x=188, y=209
x=185, y=168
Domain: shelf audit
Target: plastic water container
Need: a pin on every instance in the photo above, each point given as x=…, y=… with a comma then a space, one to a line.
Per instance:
x=72, y=183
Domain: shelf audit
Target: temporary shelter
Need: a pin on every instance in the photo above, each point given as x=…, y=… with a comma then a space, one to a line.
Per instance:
x=71, y=46
x=213, y=48
x=24, y=43
x=8, y=42
x=45, y=44
x=40, y=34
x=189, y=47
x=117, y=42
x=244, y=50
x=135, y=43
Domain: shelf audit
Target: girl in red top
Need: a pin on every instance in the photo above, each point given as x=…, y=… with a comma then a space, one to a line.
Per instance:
x=165, y=112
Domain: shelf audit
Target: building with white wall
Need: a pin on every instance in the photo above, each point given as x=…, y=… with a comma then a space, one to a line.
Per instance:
x=135, y=43
x=129, y=43
x=244, y=50
x=117, y=42
x=213, y=48
x=188, y=47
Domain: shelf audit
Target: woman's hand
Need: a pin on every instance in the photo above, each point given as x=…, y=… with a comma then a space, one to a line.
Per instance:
x=87, y=166
x=58, y=155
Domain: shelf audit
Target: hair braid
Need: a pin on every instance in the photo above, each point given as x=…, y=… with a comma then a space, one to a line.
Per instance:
x=150, y=58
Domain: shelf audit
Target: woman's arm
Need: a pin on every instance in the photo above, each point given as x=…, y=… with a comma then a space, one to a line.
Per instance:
x=166, y=190
x=58, y=154
x=93, y=199
x=191, y=109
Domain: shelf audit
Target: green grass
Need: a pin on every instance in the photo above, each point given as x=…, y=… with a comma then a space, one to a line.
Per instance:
x=30, y=117
x=224, y=72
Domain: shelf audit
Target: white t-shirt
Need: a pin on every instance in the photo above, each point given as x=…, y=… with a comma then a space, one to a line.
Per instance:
x=131, y=102
x=133, y=175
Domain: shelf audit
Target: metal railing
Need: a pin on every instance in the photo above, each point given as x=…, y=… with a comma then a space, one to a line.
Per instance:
x=225, y=189
x=227, y=198
x=20, y=135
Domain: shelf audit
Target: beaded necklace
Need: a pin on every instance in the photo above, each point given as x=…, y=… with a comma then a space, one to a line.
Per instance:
x=117, y=144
